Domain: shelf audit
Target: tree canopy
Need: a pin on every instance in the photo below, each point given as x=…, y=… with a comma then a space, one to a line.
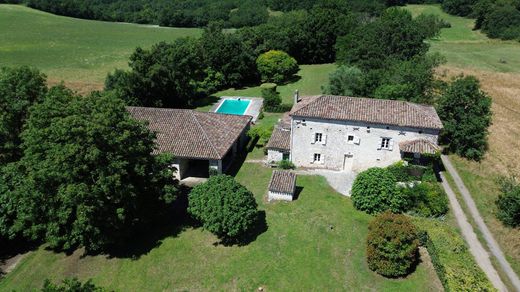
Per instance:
x=19, y=89
x=87, y=176
x=276, y=66
x=465, y=111
x=224, y=207
x=375, y=190
x=392, y=245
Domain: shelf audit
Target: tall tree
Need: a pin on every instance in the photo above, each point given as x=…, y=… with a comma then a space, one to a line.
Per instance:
x=166, y=75
x=395, y=36
x=465, y=111
x=87, y=176
x=19, y=89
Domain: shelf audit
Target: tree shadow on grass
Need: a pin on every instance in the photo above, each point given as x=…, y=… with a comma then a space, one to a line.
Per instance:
x=9, y=249
x=205, y=101
x=259, y=228
x=149, y=238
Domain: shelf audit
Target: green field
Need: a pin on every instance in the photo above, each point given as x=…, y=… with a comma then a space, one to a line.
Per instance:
x=466, y=48
x=314, y=243
x=80, y=52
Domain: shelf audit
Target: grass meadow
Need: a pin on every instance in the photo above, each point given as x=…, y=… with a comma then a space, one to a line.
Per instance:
x=79, y=52
x=496, y=64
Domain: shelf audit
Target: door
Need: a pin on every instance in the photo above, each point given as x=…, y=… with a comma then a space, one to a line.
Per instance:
x=348, y=160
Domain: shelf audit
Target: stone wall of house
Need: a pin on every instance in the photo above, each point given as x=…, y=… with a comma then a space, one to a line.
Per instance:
x=280, y=196
x=274, y=155
x=338, y=153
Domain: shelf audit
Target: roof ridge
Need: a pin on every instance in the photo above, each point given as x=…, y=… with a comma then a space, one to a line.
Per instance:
x=204, y=133
x=317, y=97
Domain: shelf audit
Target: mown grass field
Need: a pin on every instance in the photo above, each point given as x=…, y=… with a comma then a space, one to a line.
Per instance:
x=464, y=47
x=497, y=65
x=314, y=243
x=79, y=52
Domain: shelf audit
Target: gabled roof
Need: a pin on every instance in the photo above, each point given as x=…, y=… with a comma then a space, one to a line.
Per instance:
x=281, y=137
x=282, y=182
x=370, y=110
x=422, y=146
x=192, y=134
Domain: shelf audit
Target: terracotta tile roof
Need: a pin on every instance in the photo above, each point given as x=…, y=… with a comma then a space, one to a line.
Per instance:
x=422, y=146
x=280, y=139
x=192, y=134
x=282, y=181
x=377, y=111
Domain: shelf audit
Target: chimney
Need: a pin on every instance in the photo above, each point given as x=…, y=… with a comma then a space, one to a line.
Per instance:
x=296, y=96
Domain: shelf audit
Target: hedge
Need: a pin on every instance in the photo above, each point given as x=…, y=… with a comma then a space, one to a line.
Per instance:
x=453, y=262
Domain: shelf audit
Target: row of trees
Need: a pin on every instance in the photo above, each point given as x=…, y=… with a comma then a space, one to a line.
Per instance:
x=199, y=13
x=183, y=13
x=75, y=171
x=497, y=18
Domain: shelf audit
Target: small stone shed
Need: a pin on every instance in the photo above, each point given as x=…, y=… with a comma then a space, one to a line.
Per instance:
x=282, y=186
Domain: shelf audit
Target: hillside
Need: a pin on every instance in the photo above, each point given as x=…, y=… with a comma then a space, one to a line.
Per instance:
x=80, y=52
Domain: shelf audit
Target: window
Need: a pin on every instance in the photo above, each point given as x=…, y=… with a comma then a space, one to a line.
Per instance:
x=350, y=139
x=317, y=157
x=385, y=143
x=318, y=137
x=285, y=156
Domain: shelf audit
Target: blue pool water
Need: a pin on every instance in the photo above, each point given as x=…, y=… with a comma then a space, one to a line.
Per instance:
x=234, y=106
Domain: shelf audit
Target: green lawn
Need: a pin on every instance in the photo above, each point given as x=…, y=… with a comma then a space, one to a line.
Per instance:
x=465, y=48
x=310, y=80
x=314, y=243
x=81, y=52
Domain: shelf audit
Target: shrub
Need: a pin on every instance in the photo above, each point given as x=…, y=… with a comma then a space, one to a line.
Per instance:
x=285, y=164
x=223, y=206
x=276, y=66
x=451, y=259
x=508, y=203
x=71, y=285
x=261, y=133
x=272, y=99
x=392, y=245
x=427, y=199
x=375, y=190
x=400, y=172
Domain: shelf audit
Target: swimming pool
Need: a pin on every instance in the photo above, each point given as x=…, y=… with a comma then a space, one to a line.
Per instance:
x=233, y=106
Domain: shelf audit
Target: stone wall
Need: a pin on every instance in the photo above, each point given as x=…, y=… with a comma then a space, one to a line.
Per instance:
x=338, y=153
x=280, y=196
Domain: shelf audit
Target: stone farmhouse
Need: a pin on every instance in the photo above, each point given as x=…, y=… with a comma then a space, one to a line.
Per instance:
x=352, y=134
x=199, y=141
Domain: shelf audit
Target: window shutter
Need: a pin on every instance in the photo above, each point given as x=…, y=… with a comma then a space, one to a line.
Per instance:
x=357, y=140
x=391, y=145
x=324, y=139
x=313, y=138
x=312, y=158
x=380, y=143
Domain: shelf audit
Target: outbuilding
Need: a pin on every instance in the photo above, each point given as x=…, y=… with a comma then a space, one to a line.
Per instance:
x=199, y=141
x=282, y=186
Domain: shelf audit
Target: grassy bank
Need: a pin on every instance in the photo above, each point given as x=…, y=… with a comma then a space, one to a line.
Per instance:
x=80, y=52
